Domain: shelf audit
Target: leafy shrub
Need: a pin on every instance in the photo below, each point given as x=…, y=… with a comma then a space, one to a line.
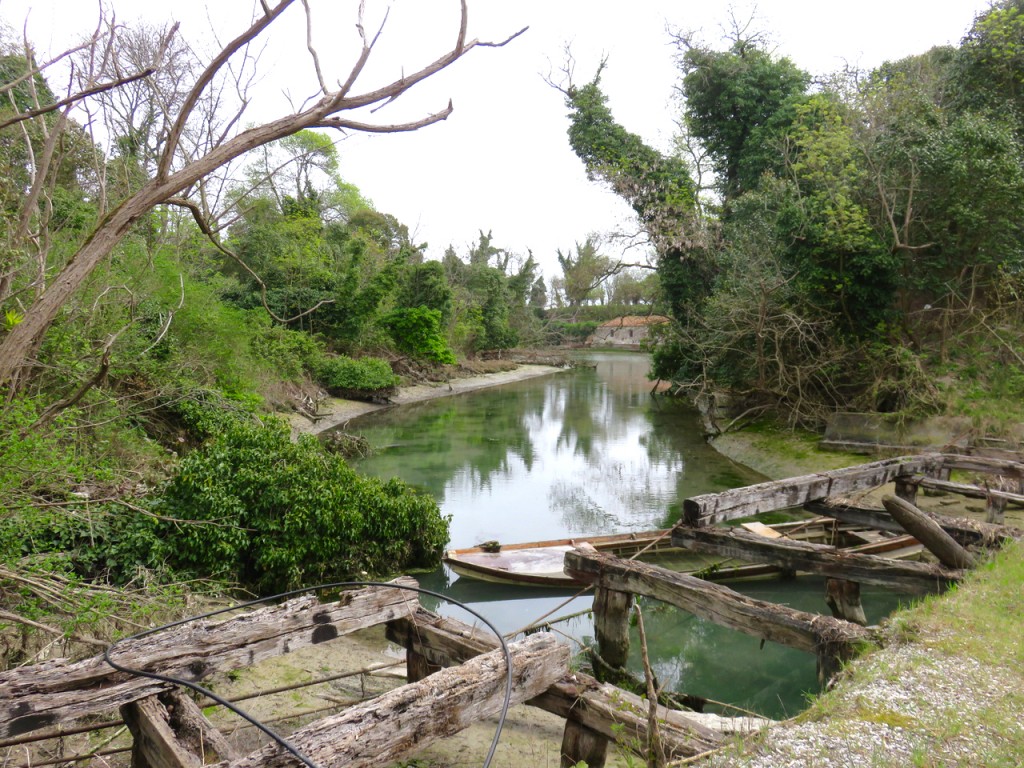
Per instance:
x=365, y=377
x=417, y=332
x=103, y=543
x=41, y=461
x=190, y=414
x=289, y=353
x=283, y=514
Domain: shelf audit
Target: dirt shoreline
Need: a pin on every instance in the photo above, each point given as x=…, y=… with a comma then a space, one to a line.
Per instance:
x=337, y=411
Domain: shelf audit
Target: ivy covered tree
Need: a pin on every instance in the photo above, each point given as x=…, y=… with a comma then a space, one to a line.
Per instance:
x=738, y=105
x=854, y=227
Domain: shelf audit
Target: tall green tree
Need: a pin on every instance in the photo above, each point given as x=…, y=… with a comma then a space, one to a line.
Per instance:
x=584, y=272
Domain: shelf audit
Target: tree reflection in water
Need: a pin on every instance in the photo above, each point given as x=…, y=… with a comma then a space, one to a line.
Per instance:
x=582, y=452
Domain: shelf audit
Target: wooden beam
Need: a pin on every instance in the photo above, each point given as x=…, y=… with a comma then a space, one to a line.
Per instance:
x=832, y=640
x=991, y=466
x=400, y=722
x=46, y=694
x=926, y=530
x=713, y=508
x=916, y=578
x=601, y=708
x=966, y=489
x=964, y=530
x=620, y=716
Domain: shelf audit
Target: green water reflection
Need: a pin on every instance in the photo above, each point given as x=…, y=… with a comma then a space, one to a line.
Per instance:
x=584, y=452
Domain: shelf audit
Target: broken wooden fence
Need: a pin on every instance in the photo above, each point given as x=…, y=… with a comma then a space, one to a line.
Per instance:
x=456, y=677
x=831, y=639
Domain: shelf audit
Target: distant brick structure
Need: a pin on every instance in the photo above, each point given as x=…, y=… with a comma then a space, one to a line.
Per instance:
x=626, y=332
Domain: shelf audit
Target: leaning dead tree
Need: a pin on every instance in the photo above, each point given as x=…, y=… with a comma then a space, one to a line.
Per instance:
x=178, y=171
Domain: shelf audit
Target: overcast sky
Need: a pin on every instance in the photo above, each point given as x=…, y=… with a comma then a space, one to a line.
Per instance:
x=501, y=161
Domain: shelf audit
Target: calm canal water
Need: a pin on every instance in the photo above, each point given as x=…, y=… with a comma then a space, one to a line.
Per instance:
x=589, y=451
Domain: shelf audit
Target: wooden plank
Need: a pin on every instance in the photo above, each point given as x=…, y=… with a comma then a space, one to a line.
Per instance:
x=46, y=694
x=713, y=508
x=404, y=720
x=780, y=624
x=916, y=578
x=761, y=530
x=926, y=530
x=967, y=532
x=601, y=708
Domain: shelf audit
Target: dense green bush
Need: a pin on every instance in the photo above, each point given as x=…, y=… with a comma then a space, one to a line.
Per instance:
x=290, y=353
x=102, y=542
x=280, y=514
x=417, y=332
x=366, y=377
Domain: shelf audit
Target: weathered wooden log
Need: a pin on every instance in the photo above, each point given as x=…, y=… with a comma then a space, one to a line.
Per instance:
x=967, y=532
x=601, y=708
x=46, y=694
x=713, y=508
x=928, y=532
x=915, y=578
x=832, y=640
x=399, y=722
x=618, y=715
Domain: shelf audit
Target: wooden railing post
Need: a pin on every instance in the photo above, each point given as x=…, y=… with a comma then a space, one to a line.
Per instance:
x=169, y=730
x=906, y=490
x=417, y=666
x=611, y=629
x=843, y=598
x=582, y=745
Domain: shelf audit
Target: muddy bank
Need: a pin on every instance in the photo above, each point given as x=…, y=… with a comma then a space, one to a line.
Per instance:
x=336, y=412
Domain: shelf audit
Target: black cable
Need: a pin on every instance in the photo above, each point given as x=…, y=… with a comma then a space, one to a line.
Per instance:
x=320, y=587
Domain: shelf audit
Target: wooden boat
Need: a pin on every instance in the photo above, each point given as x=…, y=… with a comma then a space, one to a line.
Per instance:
x=539, y=563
